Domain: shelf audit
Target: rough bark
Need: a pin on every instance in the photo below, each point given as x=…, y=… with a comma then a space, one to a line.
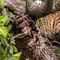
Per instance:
x=18, y=6
x=31, y=43
x=29, y=40
x=45, y=8
x=34, y=9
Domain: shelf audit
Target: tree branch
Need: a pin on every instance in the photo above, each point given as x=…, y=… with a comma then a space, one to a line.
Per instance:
x=34, y=9
x=45, y=8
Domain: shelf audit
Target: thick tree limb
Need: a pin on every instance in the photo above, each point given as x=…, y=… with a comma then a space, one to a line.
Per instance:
x=45, y=8
x=34, y=9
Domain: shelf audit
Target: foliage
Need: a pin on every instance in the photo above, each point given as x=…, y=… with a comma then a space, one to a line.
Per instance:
x=6, y=13
x=45, y=40
x=7, y=48
x=30, y=0
x=57, y=50
x=1, y=3
x=38, y=20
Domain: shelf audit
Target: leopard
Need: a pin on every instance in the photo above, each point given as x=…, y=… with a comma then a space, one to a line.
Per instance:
x=51, y=25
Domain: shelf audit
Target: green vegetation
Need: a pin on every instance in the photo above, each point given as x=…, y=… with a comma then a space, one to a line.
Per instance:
x=57, y=50
x=7, y=44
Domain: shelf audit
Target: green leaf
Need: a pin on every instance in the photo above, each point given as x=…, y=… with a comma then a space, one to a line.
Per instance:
x=11, y=49
x=13, y=58
x=15, y=49
x=7, y=21
x=7, y=50
x=9, y=28
x=12, y=41
x=42, y=20
x=1, y=55
x=0, y=14
x=45, y=40
x=2, y=40
x=1, y=24
x=3, y=31
x=30, y=0
x=17, y=55
x=3, y=19
x=2, y=49
x=6, y=12
x=1, y=3
x=10, y=34
x=37, y=21
x=57, y=50
x=5, y=40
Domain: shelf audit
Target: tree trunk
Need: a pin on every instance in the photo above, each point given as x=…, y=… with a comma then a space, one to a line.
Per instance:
x=26, y=30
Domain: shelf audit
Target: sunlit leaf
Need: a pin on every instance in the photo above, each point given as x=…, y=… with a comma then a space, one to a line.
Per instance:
x=11, y=49
x=3, y=19
x=37, y=21
x=1, y=3
x=3, y=31
x=10, y=34
x=9, y=28
x=15, y=49
x=42, y=20
x=17, y=55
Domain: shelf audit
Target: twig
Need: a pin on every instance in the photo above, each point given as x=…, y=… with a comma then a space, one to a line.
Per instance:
x=56, y=42
x=20, y=19
x=26, y=6
x=19, y=35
